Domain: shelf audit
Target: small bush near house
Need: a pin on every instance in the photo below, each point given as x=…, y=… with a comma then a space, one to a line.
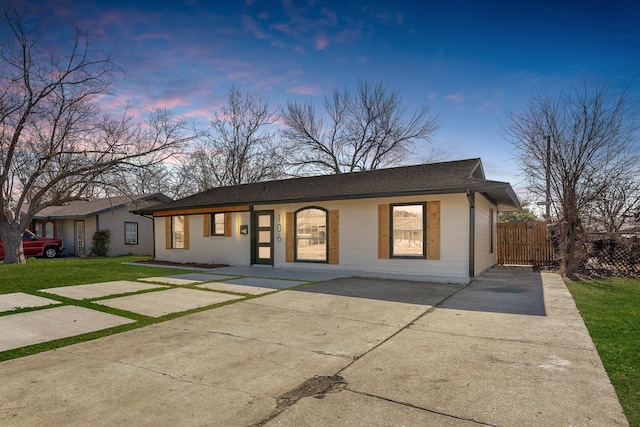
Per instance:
x=100, y=243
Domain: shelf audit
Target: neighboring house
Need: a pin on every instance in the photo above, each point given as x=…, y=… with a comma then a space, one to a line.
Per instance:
x=76, y=222
x=435, y=220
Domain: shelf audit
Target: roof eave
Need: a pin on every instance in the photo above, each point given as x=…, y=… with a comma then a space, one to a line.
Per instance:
x=457, y=190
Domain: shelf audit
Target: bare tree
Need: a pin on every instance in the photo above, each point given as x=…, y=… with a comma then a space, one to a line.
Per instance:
x=368, y=129
x=616, y=205
x=578, y=143
x=239, y=148
x=54, y=143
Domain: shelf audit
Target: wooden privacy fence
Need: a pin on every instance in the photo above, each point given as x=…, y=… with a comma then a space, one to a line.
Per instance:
x=524, y=243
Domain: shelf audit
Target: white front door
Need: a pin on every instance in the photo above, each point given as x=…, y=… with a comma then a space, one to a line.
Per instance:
x=80, y=240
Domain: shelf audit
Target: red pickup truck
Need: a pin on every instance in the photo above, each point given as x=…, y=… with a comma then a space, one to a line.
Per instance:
x=38, y=246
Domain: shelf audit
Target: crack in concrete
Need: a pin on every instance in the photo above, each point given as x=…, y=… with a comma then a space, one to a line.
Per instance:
x=432, y=308
x=325, y=315
x=164, y=374
x=410, y=405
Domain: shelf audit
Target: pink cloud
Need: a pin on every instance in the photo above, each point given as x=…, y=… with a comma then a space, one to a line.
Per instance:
x=250, y=25
x=283, y=28
x=304, y=90
x=321, y=43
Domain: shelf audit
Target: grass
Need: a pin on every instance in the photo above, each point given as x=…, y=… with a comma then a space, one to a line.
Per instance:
x=611, y=310
x=39, y=274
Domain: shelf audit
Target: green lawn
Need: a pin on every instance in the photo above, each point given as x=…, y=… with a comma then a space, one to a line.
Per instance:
x=39, y=274
x=611, y=310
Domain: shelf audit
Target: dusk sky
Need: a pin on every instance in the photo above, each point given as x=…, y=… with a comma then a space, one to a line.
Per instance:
x=472, y=61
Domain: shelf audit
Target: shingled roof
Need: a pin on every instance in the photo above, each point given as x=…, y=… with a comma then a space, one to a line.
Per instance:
x=86, y=208
x=432, y=178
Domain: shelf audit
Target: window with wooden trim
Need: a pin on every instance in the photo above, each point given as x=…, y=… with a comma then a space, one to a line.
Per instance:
x=311, y=235
x=408, y=230
x=178, y=232
x=130, y=233
x=218, y=224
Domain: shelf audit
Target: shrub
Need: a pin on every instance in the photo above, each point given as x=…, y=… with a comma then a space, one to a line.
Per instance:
x=100, y=243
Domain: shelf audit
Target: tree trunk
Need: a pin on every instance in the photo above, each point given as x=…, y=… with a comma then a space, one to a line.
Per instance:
x=570, y=247
x=12, y=243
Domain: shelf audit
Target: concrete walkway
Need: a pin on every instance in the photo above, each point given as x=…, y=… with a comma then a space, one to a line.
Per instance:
x=508, y=350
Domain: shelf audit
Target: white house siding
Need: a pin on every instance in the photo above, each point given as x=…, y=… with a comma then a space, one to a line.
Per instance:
x=484, y=257
x=358, y=235
x=234, y=250
x=359, y=238
x=114, y=221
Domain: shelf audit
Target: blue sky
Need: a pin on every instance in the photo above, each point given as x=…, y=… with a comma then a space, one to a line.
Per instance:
x=472, y=61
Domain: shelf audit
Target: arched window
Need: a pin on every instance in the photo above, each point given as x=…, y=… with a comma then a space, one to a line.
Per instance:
x=311, y=234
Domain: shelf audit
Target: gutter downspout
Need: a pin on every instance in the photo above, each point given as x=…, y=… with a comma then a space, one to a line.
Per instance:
x=471, y=197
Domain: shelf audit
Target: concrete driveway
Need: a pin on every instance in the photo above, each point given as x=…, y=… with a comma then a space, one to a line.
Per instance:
x=508, y=350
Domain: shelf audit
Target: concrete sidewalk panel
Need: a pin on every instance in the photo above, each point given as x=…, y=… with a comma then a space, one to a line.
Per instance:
x=490, y=381
x=22, y=329
x=187, y=278
x=98, y=290
x=556, y=294
x=345, y=408
x=156, y=304
x=238, y=289
x=9, y=302
x=266, y=283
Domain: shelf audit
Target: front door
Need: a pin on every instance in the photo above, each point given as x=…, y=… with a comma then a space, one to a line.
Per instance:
x=80, y=241
x=262, y=237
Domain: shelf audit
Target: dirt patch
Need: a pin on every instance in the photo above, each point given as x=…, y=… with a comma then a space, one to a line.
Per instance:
x=179, y=264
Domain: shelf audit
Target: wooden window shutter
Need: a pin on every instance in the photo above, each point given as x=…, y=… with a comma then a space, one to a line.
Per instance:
x=290, y=237
x=227, y=224
x=186, y=232
x=206, y=225
x=383, y=232
x=334, y=237
x=167, y=232
x=433, y=230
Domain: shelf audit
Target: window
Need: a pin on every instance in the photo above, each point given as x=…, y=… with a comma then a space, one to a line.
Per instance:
x=177, y=232
x=217, y=224
x=408, y=230
x=130, y=233
x=311, y=235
